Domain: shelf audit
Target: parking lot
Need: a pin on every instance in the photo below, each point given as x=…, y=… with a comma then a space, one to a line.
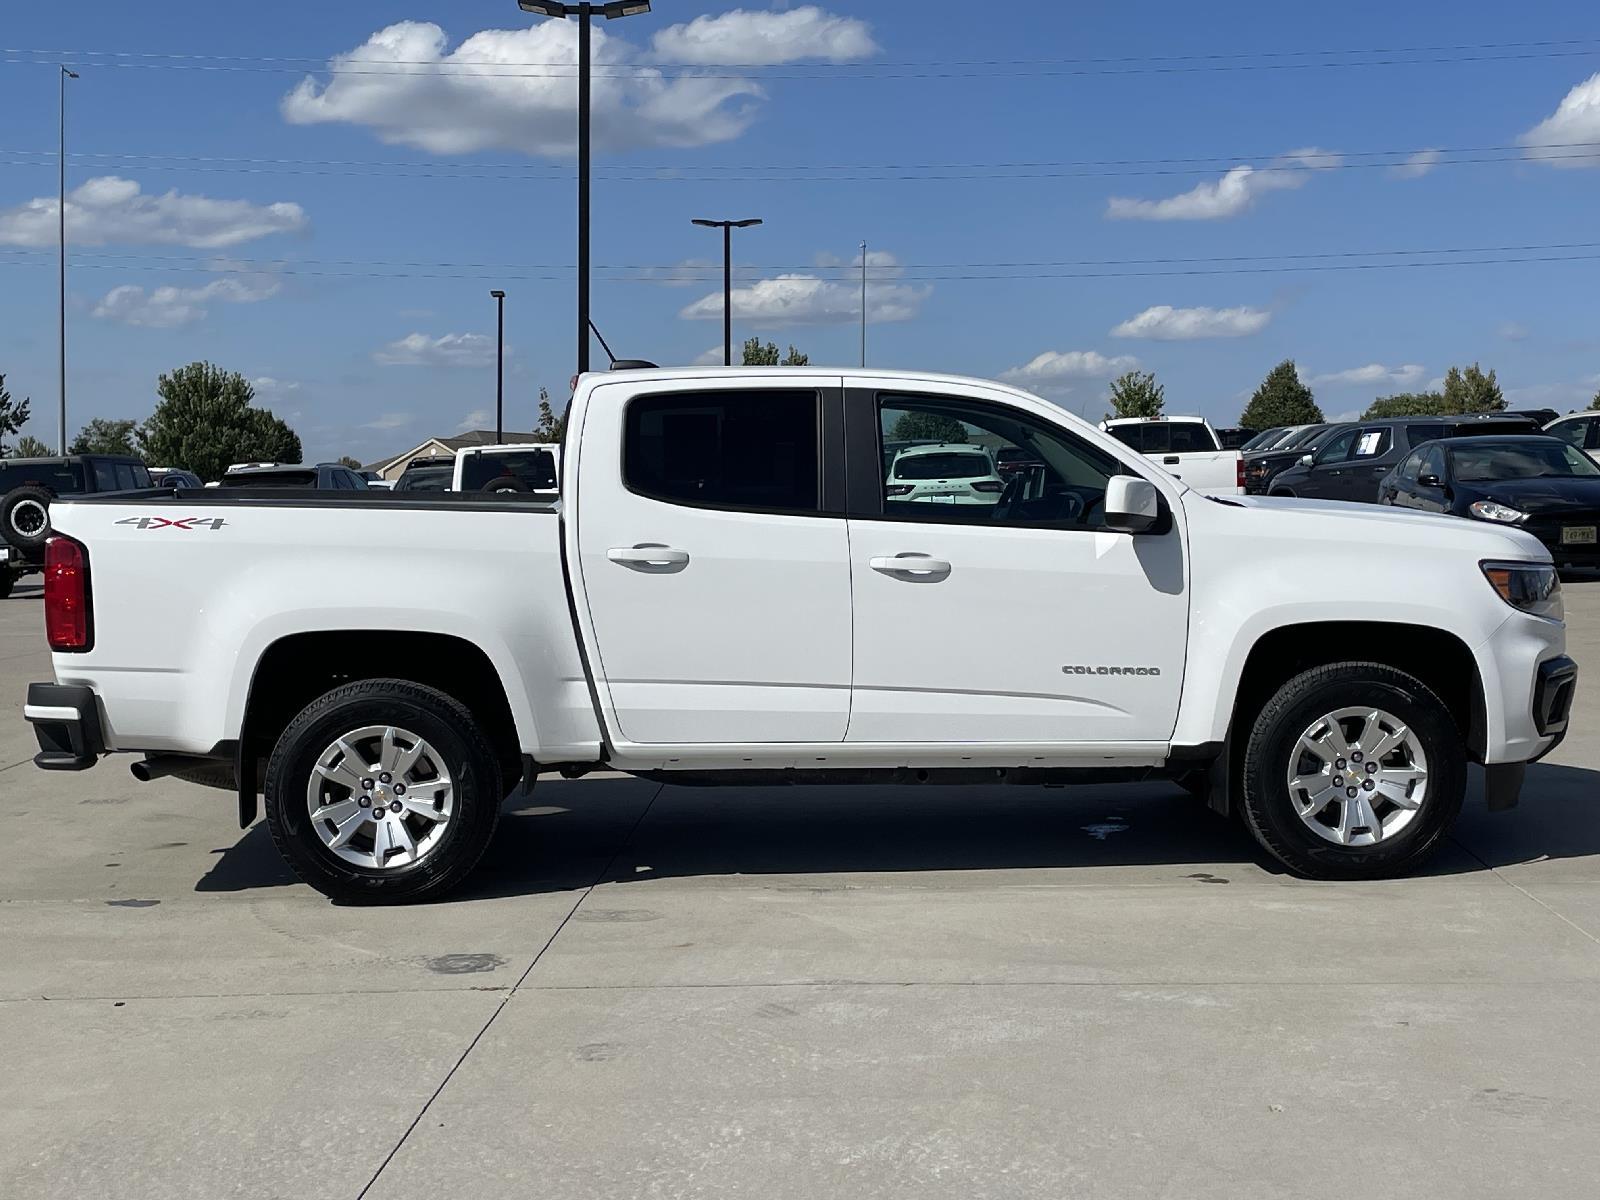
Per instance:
x=793, y=992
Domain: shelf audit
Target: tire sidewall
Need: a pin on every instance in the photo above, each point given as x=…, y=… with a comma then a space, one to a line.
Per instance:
x=1271, y=810
x=18, y=498
x=505, y=483
x=472, y=769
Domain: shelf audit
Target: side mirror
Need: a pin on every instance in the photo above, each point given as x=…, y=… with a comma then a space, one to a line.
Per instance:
x=1132, y=504
x=1432, y=481
x=1307, y=460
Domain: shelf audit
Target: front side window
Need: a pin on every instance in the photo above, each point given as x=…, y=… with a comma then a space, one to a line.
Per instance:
x=972, y=462
x=1433, y=462
x=752, y=451
x=1338, y=449
x=1409, y=469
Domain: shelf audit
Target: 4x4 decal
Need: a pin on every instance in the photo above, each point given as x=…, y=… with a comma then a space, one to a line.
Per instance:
x=167, y=523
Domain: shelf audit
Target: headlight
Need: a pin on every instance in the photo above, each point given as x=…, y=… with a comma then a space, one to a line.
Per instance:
x=1488, y=510
x=1532, y=587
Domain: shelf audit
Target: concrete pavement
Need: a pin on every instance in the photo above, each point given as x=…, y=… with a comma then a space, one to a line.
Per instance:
x=796, y=992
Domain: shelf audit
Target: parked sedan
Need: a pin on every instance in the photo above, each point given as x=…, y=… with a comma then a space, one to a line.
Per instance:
x=1541, y=484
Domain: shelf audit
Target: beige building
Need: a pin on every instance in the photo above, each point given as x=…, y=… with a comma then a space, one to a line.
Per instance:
x=393, y=468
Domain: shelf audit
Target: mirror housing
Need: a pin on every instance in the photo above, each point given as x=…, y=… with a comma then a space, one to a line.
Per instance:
x=1132, y=504
x=1432, y=481
x=1307, y=460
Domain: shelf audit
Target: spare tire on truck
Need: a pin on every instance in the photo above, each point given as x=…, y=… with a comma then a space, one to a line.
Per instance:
x=25, y=516
x=506, y=483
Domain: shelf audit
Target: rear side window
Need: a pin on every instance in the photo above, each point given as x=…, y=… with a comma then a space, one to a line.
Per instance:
x=127, y=480
x=753, y=451
x=105, y=476
x=1417, y=434
x=1372, y=443
x=272, y=479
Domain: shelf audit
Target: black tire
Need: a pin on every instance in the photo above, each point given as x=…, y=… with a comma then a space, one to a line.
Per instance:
x=1282, y=492
x=8, y=580
x=1270, y=812
x=506, y=483
x=20, y=516
x=439, y=719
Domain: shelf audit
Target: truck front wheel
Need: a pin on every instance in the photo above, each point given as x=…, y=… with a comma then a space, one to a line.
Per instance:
x=1353, y=771
x=383, y=791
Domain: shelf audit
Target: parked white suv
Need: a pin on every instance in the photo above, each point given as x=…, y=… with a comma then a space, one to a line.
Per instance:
x=945, y=473
x=727, y=591
x=516, y=467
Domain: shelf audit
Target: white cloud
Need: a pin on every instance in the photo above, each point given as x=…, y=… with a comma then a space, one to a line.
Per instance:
x=1576, y=119
x=1167, y=324
x=1417, y=165
x=1055, y=370
x=742, y=38
x=446, y=350
x=1229, y=196
x=476, y=419
x=266, y=385
x=387, y=421
x=1512, y=331
x=108, y=210
x=1372, y=373
x=711, y=358
x=483, y=95
x=804, y=299
x=171, y=307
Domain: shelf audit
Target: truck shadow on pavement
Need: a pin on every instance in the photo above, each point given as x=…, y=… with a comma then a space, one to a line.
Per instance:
x=568, y=835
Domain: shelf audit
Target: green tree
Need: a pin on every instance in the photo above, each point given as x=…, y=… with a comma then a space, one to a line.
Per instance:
x=344, y=460
x=13, y=415
x=926, y=426
x=1595, y=403
x=204, y=421
x=1408, y=404
x=29, y=446
x=101, y=436
x=1137, y=394
x=1470, y=391
x=1281, y=400
x=759, y=354
x=550, y=428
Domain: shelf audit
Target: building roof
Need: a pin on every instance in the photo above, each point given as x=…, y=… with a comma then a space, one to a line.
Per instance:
x=449, y=445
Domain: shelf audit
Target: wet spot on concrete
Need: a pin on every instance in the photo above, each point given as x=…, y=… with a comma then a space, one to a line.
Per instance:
x=133, y=903
x=616, y=914
x=774, y=1011
x=464, y=964
x=597, y=1052
x=1203, y=877
x=105, y=800
x=1101, y=830
x=170, y=845
x=113, y=864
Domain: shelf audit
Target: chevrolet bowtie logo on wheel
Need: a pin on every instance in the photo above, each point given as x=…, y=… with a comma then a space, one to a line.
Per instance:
x=1075, y=670
x=181, y=523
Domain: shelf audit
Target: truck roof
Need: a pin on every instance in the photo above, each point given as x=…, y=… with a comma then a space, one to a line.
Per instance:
x=1111, y=421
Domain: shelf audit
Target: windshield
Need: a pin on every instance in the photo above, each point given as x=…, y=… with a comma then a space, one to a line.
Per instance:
x=1520, y=460
x=60, y=477
x=1266, y=439
x=535, y=469
x=942, y=466
x=1304, y=437
x=272, y=479
x=425, y=479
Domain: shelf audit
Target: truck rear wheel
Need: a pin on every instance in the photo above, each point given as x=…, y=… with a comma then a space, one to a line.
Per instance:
x=1353, y=771
x=383, y=792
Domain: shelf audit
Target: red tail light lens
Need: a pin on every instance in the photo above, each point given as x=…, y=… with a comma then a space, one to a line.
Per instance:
x=66, y=595
x=1238, y=474
x=989, y=485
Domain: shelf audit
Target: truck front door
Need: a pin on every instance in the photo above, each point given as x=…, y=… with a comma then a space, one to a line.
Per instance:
x=714, y=562
x=1017, y=618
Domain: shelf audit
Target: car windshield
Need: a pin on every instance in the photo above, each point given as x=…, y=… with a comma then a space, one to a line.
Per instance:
x=1520, y=460
x=942, y=466
x=425, y=479
x=272, y=479
x=1304, y=437
x=60, y=477
x=535, y=469
x=1267, y=439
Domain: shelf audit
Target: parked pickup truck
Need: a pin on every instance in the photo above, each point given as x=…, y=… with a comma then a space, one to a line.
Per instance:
x=1185, y=446
x=728, y=592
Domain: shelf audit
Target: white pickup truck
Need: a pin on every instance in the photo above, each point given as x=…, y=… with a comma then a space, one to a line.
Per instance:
x=1186, y=447
x=728, y=592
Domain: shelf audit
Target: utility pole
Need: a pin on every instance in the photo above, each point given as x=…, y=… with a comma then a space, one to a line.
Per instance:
x=727, y=228
x=61, y=232
x=863, y=303
x=611, y=11
x=500, y=368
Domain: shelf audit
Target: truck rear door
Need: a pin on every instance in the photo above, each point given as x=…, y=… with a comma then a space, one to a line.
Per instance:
x=713, y=559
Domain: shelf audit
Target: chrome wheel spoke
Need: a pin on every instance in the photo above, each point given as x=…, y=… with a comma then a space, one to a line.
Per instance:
x=348, y=828
x=1388, y=742
x=337, y=812
x=1357, y=815
x=395, y=758
x=423, y=806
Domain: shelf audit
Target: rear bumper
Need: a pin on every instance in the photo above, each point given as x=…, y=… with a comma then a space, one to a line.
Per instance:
x=66, y=720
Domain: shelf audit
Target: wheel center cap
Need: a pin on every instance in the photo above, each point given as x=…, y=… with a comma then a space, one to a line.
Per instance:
x=380, y=794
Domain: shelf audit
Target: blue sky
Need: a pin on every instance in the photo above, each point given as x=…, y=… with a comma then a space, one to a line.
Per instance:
x=282, y=267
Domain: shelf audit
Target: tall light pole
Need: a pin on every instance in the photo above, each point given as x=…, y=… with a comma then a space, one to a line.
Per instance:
x=863, y=303
x=61, y=233
x=500, y=367
x=727, y=228
x=611, y=11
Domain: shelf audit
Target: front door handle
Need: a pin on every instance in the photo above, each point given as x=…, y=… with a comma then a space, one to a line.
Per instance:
x=648, y=556
x=1170, y=460
x=911, y=566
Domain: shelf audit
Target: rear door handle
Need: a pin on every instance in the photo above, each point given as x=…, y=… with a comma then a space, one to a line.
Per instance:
x=647, y=556
x=911, y=566
x=1170, y=460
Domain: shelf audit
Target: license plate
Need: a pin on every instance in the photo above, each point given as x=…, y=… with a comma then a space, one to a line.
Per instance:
x=1578, y=535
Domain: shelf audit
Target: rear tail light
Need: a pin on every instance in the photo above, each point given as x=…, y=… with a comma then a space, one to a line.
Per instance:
x=989, y=485
x=66, y=595
x=1238, y=473
x=900, y=489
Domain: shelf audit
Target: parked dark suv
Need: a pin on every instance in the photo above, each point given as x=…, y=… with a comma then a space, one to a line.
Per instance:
x=28, y=485
x=1350, y=465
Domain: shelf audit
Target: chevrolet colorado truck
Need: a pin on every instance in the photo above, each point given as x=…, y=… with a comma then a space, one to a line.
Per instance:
x=1185, y=446
x=728, y=591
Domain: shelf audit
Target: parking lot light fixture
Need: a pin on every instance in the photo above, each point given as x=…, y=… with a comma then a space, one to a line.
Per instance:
x=727, y=228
